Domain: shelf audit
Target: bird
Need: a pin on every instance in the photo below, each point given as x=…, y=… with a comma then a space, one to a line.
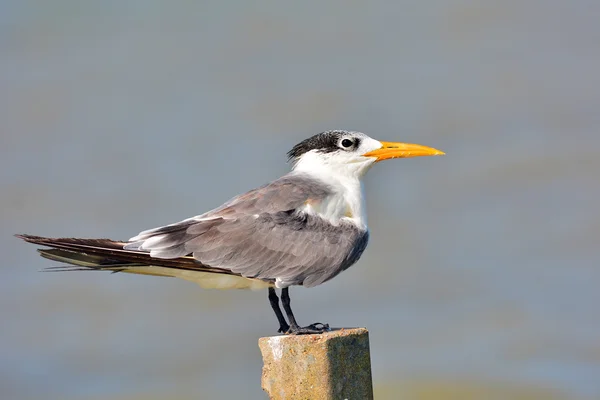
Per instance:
x=301, y=229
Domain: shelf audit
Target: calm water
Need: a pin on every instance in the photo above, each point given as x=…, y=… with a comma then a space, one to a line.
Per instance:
x=483, y=270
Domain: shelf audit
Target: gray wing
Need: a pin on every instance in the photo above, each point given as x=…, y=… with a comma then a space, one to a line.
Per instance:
x=262, y=234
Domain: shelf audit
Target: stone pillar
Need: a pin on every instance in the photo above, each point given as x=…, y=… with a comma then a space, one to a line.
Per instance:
x=330, y=366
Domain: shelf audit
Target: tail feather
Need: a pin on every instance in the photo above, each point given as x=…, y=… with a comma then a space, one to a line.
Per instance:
x=109, y=255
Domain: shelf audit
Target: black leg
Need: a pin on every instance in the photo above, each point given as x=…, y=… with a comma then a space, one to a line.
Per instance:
x=294, y=329
x=274, y=300
x=285, y=300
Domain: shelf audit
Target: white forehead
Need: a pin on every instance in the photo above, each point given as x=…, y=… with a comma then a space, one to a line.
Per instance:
x=367, y=143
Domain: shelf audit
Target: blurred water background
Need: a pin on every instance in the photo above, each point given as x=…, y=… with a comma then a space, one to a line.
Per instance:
x=481, y=279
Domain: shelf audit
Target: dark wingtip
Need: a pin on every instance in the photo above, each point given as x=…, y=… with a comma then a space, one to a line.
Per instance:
x=24, y=236
x=30, y=238
x=67, y=268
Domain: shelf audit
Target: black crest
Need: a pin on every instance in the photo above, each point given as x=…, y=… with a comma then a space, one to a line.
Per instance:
x=325, y=142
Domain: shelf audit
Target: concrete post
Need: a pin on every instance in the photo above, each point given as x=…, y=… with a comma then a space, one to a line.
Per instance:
x=330, y=366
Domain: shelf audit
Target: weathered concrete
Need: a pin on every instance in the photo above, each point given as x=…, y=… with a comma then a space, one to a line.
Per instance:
x=330, y=366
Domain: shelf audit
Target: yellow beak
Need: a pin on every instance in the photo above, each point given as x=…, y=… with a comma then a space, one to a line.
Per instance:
x=402, y=150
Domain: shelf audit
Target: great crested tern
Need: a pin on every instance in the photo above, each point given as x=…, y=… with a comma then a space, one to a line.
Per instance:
x=301, y=229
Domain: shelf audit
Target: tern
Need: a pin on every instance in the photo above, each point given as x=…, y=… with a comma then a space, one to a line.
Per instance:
x=302, y=229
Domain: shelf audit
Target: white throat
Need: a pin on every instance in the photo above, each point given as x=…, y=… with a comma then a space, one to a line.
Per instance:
x=347, y=200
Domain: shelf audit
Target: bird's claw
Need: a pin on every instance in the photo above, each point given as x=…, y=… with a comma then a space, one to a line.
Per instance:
x=315, y=328
x=320, y=326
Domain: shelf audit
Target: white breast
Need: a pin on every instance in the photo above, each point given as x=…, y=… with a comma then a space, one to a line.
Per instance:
x=346, y=200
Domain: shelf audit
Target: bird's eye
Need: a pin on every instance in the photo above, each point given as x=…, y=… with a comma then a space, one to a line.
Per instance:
x=347, y=143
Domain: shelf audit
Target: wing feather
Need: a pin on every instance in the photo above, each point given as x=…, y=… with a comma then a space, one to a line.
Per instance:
x=264, y=234
x=109, y=255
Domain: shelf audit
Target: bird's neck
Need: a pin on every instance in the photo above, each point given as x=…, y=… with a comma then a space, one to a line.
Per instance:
x=346, y=201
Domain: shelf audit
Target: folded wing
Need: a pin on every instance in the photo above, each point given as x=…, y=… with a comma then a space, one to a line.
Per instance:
x=264, y=234
x=109, y=255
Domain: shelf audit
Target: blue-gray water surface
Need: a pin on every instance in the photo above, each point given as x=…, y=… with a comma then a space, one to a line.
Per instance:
x=483, y=267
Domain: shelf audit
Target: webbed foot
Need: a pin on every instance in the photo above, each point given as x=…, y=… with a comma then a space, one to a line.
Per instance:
x=316, y=328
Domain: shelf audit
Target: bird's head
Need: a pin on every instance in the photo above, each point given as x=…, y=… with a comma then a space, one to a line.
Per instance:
x=349, y=154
